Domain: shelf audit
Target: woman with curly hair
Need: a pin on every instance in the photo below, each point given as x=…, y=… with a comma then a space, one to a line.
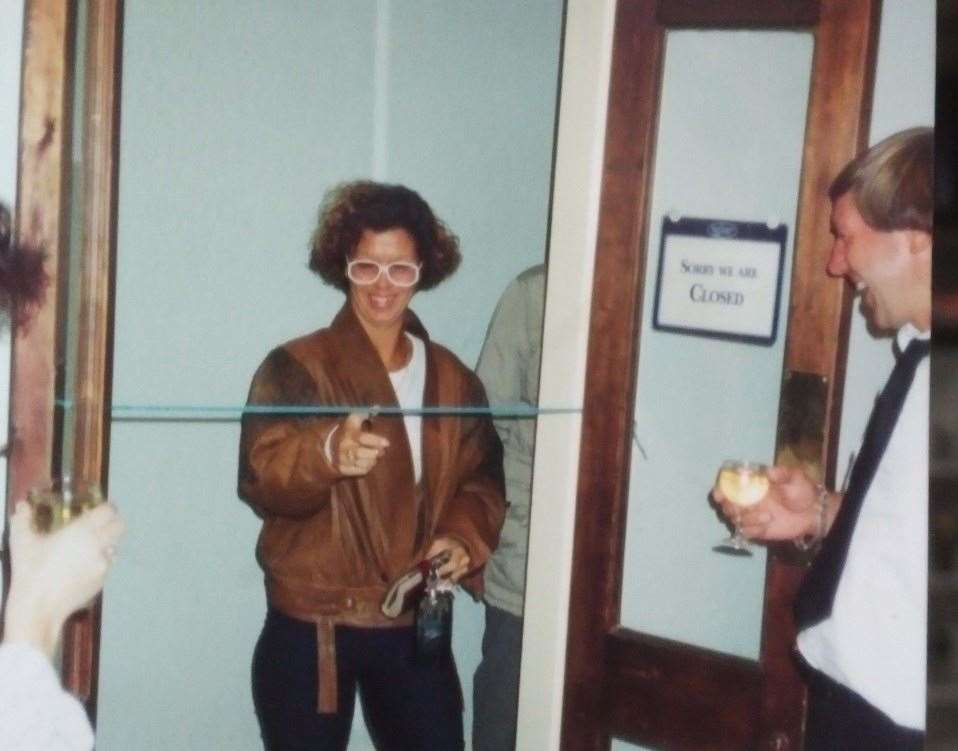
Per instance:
x=348, y=505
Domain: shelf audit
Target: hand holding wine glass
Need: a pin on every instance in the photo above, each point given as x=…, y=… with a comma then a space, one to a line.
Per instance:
x=788, y=510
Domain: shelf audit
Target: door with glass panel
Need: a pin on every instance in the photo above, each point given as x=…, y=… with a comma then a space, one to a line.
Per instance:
x=715, y=335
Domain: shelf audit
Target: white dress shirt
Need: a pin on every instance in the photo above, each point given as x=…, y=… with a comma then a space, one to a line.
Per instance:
x=874, y=642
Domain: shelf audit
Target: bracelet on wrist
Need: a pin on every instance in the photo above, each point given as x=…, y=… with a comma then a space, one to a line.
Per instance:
x=807, y=542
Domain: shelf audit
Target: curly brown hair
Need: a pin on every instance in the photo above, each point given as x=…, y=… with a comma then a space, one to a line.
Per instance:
x=23, y=279
x=351, y=208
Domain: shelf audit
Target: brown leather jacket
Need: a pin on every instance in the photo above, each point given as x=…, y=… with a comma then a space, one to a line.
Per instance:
x=331, y=545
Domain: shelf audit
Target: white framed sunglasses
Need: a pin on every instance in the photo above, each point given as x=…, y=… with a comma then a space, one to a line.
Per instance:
x=364, y=271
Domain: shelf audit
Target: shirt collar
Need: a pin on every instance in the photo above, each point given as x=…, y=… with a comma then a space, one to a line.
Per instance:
x=908, y=332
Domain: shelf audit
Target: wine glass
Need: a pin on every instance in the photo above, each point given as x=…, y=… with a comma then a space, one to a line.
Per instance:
x=744, y=484
x=56, y=504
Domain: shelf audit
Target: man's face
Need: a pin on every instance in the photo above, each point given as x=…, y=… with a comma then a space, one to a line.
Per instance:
x=880, y=265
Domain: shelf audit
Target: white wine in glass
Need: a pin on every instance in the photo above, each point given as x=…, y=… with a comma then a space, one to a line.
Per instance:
x=744, y=484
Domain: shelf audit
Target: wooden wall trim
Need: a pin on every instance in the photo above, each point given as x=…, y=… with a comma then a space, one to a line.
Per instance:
x=846, y=43
x=844, y=47
x=607, y=421
x=716, y=14
x=101, y=129
x=94, y=340
x=43, y=172
x=38, y=223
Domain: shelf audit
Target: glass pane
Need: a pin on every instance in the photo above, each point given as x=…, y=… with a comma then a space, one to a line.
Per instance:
x=729, y=147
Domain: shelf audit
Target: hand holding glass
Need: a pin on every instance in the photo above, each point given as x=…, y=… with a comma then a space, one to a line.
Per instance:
x=743, y=484
x=54, y=506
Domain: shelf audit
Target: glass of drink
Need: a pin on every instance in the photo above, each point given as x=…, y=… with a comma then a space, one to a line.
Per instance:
x=55, y=505
x=744, y=484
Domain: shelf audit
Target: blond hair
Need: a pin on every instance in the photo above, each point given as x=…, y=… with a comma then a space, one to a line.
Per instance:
x=893, y=182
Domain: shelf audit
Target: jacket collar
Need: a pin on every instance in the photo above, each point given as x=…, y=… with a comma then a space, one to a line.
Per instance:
x=361, y=363
x=361, y=367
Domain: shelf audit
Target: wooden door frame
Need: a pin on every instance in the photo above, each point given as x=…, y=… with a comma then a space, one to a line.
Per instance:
x=611, y=670
x=42, y=221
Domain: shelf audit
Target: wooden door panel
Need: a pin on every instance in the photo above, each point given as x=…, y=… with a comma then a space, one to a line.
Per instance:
x=724, y=14
x=673, y=682
x=619, y=682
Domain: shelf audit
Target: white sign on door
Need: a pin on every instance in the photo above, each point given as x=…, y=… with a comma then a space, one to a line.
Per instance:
x=720, y=279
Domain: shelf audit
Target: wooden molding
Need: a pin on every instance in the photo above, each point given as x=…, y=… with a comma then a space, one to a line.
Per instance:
x=94, y=332
x=719, y=14
x=612, y=360
x=43, y=166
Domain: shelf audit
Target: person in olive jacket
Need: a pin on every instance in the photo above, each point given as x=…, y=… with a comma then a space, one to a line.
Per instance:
x=349, y=505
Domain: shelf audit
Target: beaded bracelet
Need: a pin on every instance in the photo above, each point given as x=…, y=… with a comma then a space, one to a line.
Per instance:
x=807, y=542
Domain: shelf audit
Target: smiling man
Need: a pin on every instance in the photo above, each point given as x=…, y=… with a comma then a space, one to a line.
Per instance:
x=861, y=611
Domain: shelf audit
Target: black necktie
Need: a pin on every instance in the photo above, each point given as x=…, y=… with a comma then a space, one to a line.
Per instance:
x=817, y=593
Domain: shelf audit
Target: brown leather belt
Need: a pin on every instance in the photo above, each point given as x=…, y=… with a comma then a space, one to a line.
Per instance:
x=328, y=609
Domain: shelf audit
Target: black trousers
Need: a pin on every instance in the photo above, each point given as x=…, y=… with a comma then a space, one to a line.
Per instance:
x=408, y=706
x=841, y=720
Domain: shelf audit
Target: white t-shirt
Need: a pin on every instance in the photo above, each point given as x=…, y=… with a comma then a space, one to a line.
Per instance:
x=409, y=383
x=874, y=642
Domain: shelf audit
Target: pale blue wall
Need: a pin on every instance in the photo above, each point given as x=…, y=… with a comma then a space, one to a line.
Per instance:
x=237, y=116
x=483, y=144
